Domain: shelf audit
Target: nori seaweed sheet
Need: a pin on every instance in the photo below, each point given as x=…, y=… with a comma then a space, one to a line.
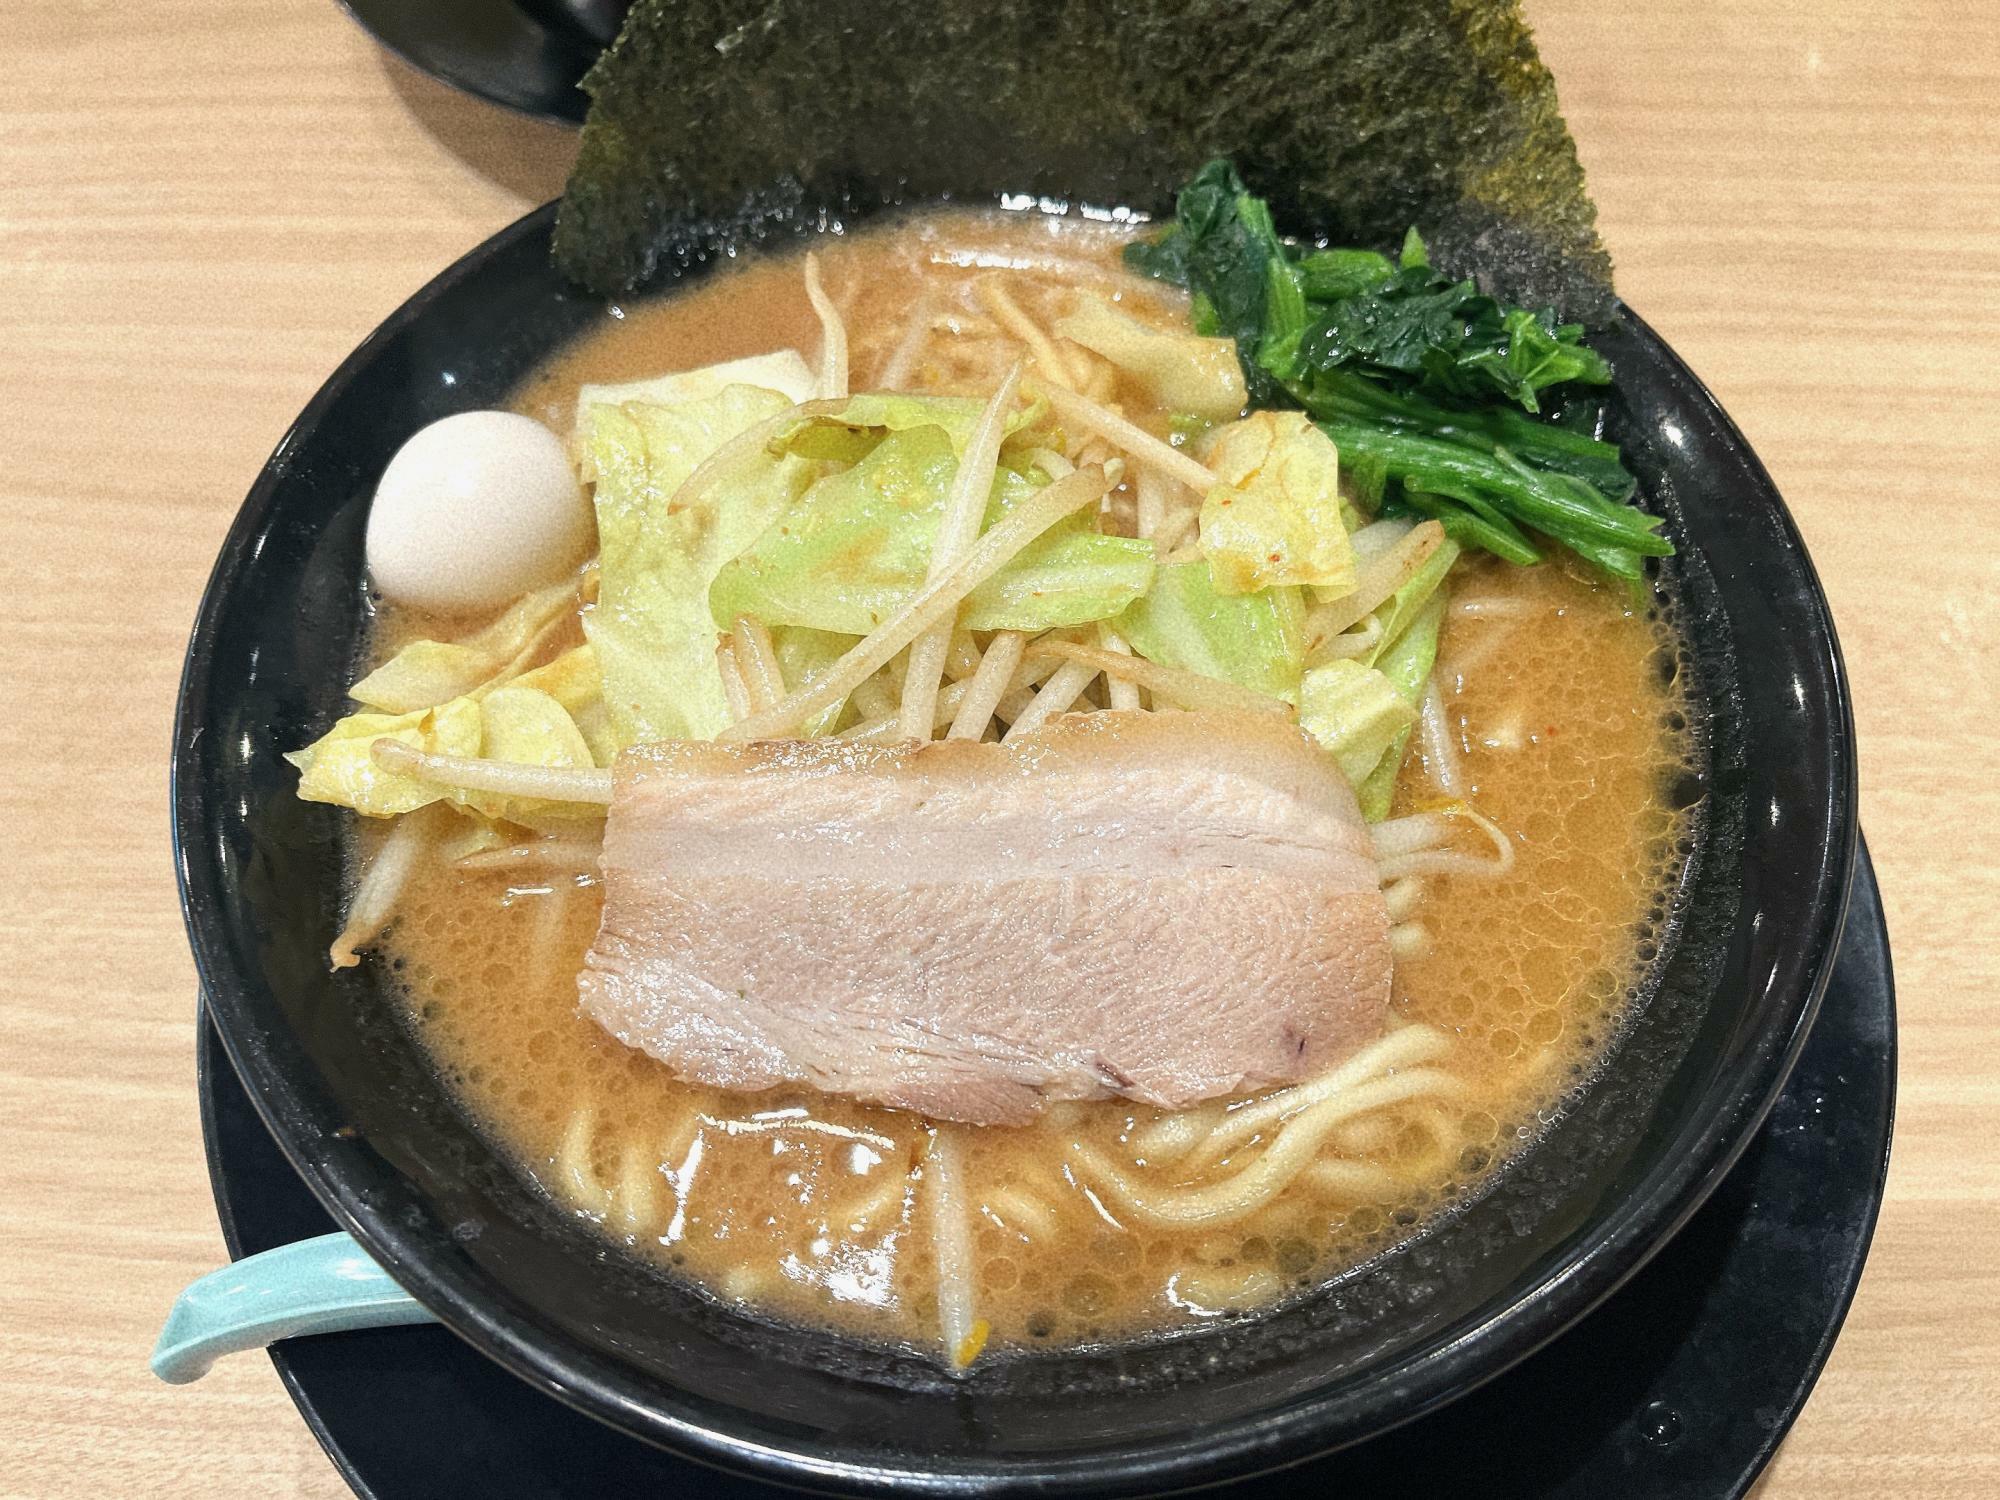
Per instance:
x=1357, y=118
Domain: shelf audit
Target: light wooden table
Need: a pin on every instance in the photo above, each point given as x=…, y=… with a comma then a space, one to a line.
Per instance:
x=204, y=206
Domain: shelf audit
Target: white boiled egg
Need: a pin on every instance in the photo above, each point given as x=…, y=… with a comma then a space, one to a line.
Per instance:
x=473, y=512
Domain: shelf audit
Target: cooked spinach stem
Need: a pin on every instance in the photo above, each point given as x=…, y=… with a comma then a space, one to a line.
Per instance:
x=1441, y=398
x=1619, y=562
x=1559, y=448
x=1490, y=515
x=1470, y=530
x=1530, y=497
x=1344, y=394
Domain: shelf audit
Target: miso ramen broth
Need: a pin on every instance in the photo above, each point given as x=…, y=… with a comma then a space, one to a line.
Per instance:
x=1562, y=716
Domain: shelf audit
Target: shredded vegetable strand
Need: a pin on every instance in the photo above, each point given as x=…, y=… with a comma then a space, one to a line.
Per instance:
x=1050, y=462
x=1069, y=269
x=985, y=688
x=965, y=325
x=951, y=1241
x=544, y=946
x=1377, y=537
x=1007, y=313
x=1495, y=607
x=552, y=855
x=887, y=728
x=1176, y=528
x=1188, y=689
x=875, y=698
x=1141, y=446
x=1402, y=896
x=1441, y=750
x=961, y=659
x=1096, y=451
x=1056, y=696
x=381, y=885
x=1409, y=940
x=1350, y=644
x=1380, y=578
x=1020, y=690
x=757, y=660
x=896, y=369
x=735, y=687
x=468, y=773
x=964, y=510
x=833, y=335
x=936, y=600
x=1103, y=377
x=720, y=464
x=1123, y=691
x=1151, y=487
x=1467, y=659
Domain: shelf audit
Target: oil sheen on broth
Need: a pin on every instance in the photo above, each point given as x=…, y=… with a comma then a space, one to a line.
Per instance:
x=1570, y=709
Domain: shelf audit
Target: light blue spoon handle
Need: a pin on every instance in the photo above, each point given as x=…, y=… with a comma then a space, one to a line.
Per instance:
x=324, y=1285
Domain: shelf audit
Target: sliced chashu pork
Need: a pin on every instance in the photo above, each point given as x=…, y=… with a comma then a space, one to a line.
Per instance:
x=1167, y=907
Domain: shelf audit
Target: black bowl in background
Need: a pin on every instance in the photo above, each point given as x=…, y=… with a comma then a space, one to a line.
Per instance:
x=599, y=20
x=528, y=56
x=347, y=1093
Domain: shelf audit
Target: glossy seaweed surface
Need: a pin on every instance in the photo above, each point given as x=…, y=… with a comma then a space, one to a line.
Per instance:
x=349, y=1097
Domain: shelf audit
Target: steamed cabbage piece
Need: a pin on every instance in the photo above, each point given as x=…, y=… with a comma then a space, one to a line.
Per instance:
x=510, y=721
x=803, y=654
x=823, y=531
x=1181, y=371
x=1355, y=713
x=858, y=542
x=850, y=430
x=337, y=767
x=526, y=726
x=784, y=371
x=573, y=681
x=791, y=547
x=1276, y=527
x=1254, y=640
x=648, y=670
x=424, y=674
x=1276, y=518
x=1362, y=710
x=469, y=697
x=651, y=629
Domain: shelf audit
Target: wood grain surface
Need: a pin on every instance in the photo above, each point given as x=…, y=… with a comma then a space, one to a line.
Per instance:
x=204, y=206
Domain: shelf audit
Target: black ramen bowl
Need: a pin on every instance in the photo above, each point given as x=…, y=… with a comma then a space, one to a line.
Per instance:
x=347, y=1091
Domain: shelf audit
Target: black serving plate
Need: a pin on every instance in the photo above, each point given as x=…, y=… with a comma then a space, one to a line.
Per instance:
x=525, y=57
x=354, y=1105
x=1678, y=1388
